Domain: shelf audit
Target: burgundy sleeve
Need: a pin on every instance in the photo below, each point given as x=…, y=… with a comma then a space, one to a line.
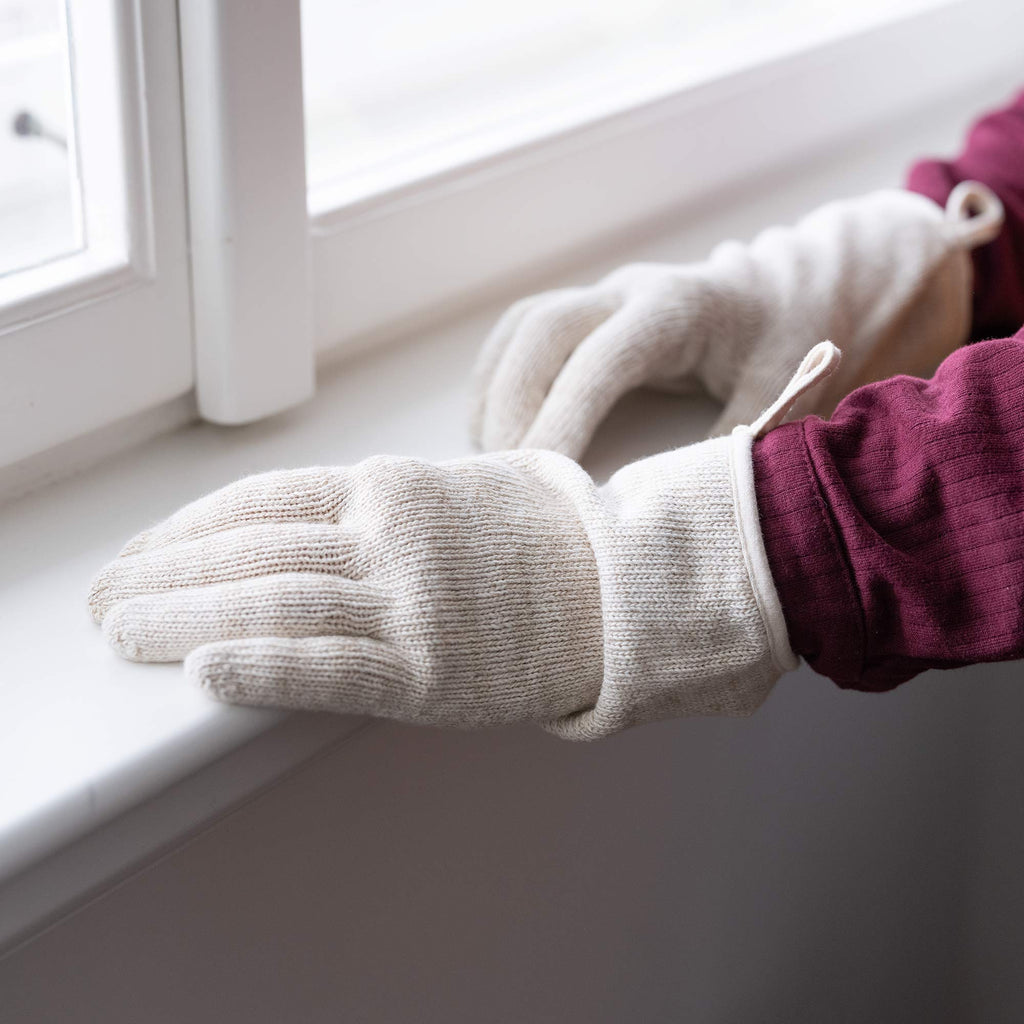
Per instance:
x=993, y=155
x=895, y=531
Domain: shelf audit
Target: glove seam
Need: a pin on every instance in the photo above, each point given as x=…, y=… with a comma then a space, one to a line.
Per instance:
x=755, y=557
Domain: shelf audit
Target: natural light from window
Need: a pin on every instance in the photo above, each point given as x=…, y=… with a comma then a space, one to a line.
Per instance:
x=396, y=91
x=39, y=194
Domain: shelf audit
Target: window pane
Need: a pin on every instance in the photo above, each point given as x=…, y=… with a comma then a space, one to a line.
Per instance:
x=396, y=89
x=39, y=197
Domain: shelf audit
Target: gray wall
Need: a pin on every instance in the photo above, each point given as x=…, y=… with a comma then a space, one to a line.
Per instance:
x=994, y=896
x=838, y=857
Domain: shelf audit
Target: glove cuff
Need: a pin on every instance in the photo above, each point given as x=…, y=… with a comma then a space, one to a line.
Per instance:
x=755, y=556
x=692, y=623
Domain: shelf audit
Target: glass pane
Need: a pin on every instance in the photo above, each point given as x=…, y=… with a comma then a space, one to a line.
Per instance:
x=395, y=89
x=39, y=195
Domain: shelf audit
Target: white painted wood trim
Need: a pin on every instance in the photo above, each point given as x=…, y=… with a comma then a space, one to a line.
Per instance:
x=242, y=87
x=87, y=345
x=181, y=804
x=105, y=334
x=429, y=246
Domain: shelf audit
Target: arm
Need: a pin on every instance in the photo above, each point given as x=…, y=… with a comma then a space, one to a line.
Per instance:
x=895, y=531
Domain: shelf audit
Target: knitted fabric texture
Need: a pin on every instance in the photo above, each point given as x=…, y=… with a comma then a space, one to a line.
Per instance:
x=864, y=272
x=477, y=592
x=895, y=532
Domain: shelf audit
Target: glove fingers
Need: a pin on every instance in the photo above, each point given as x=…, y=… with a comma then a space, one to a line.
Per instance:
x=490, y=355
x=610, y=362
x=544, y=338
x=247, y=551
x=354, y=675
x=314, y=494
x=166, y=626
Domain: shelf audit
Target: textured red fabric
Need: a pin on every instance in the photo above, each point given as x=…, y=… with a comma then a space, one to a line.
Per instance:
x=895, y=531
x=993, y=155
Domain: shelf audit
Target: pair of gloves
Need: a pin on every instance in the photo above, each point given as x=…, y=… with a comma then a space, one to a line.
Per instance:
x=507, y=586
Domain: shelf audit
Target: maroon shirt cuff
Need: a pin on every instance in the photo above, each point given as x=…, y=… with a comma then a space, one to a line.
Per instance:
x=895, y=531
x=806, y=555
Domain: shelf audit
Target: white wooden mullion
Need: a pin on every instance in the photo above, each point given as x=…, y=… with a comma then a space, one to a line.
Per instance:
x=242, y=88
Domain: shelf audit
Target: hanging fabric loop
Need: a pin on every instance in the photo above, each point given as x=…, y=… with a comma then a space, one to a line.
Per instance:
x=814, y=368
x=974, y=215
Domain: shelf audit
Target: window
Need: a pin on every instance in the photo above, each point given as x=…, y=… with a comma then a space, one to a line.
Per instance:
x=355, y=168
x=39, y=199
x=456, y=147
x=395, y=90
x=94, y=308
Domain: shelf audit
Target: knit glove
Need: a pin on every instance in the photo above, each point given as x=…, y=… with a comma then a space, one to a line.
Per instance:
x=886, y=276
x=483, y=591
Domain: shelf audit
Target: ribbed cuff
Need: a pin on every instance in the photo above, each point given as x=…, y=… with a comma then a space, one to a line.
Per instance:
x=807, y=560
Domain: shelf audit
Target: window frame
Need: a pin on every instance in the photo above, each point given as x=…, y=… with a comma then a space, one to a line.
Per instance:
x=507, y=220
x=261, y=288
x=96, y=336
x=242, y=93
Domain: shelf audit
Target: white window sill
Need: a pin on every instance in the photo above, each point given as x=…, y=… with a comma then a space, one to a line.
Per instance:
x=85, y=736
x=88, y=740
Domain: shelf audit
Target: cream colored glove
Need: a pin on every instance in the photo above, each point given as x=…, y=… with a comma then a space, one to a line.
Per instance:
x=887, y=277
x=477, y=592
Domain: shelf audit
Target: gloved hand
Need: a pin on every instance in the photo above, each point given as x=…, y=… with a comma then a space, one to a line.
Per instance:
x=482, y=591
x=887, y=277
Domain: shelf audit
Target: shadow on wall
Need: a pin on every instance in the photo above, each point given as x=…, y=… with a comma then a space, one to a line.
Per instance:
x=827, y=859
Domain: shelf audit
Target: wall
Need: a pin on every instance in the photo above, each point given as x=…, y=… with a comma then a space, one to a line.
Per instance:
x=808, y=864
